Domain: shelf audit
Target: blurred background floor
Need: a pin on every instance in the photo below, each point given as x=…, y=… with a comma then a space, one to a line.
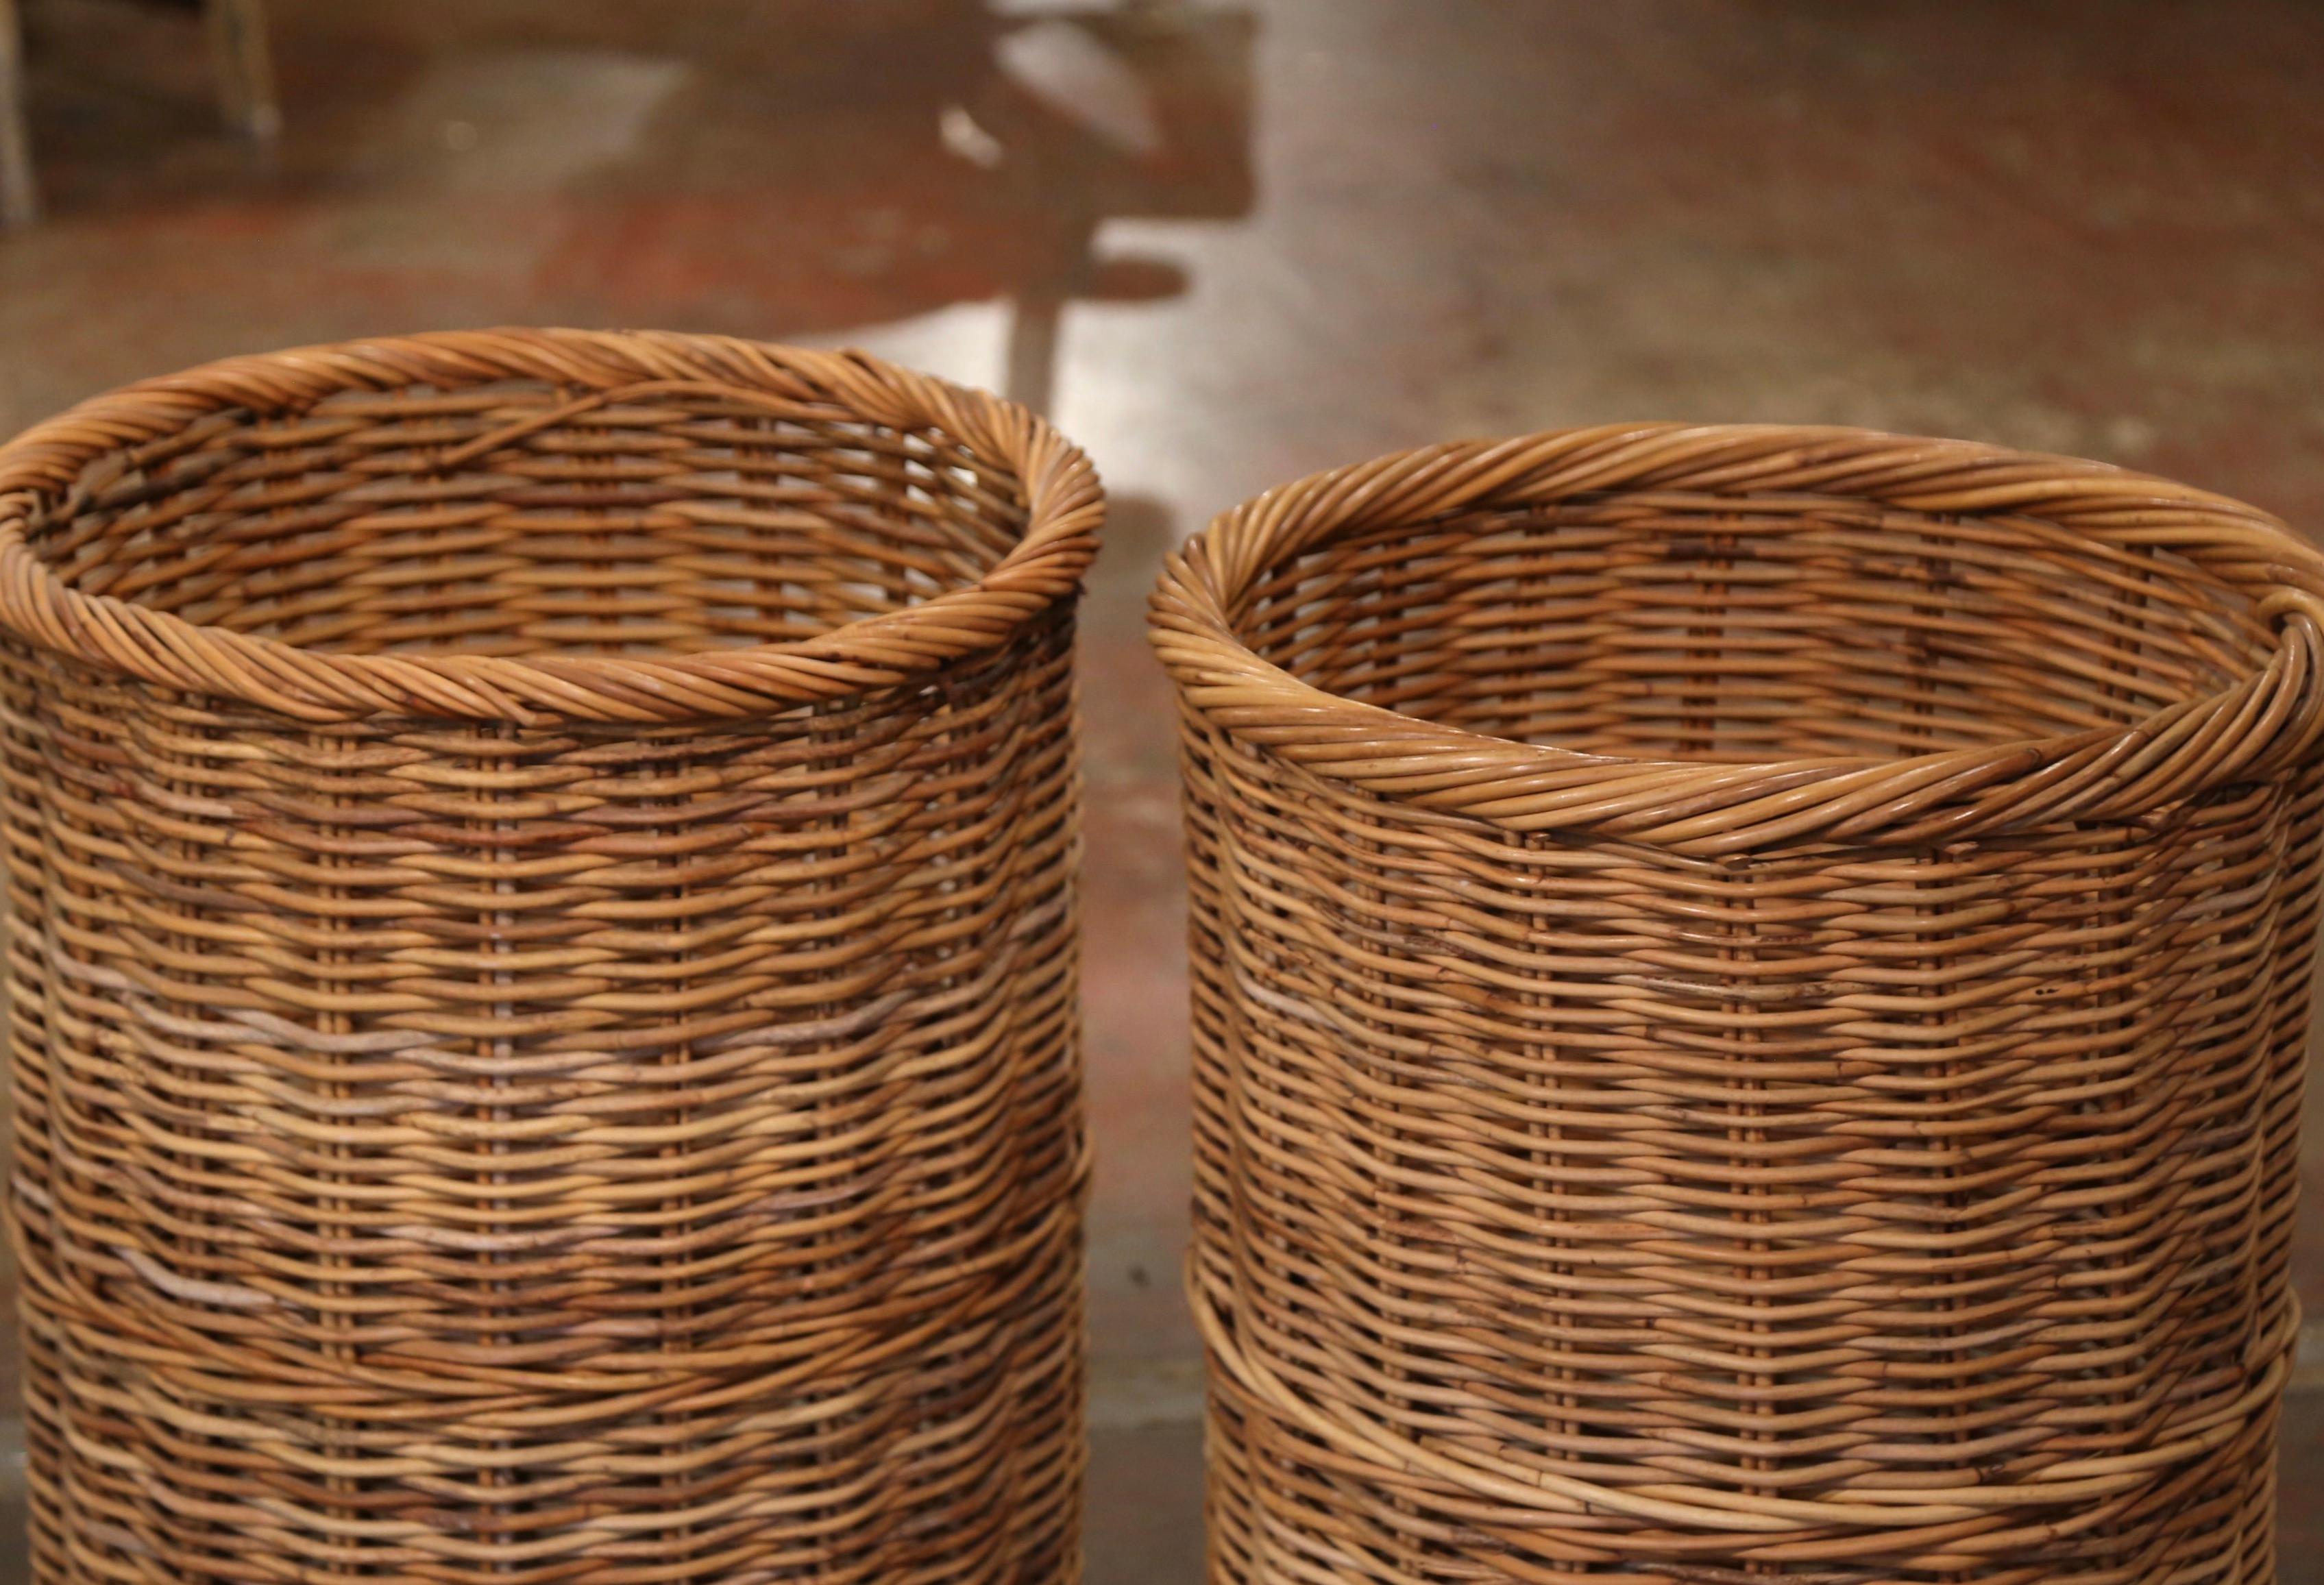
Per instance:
x=1227, y=244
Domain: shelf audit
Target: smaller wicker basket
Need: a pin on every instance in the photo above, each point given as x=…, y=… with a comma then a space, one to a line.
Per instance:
x=1751, y=987
x=543, y=990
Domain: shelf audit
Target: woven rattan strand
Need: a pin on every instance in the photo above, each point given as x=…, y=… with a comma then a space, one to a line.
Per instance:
x=543, y=972
x=1750, y=988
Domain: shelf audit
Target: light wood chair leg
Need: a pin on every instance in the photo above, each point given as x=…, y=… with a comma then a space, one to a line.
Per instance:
x=19, y=196
x=245, y=68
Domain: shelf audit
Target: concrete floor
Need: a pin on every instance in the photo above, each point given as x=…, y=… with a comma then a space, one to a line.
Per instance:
x=1229, y=244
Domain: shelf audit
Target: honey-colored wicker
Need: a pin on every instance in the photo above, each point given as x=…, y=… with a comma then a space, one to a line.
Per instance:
x=543, y=973
x=1750, y=987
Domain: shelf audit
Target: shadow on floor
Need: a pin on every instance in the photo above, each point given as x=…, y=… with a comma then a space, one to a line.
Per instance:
x=1146, y=1507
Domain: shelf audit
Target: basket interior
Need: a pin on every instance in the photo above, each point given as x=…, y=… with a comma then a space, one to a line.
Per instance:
x=682, y=524
x=1623, y=626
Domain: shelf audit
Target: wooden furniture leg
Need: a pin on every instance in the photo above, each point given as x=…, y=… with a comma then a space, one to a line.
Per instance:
x=20, y=196
x=245, y=68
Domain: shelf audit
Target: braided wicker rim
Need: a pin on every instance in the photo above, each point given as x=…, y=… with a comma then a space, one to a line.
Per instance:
x=1058, y=489
x=2269, y=718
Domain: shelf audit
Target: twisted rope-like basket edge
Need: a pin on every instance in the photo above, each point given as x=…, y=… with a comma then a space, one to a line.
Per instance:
x=2261, y=723
x=1064, y=506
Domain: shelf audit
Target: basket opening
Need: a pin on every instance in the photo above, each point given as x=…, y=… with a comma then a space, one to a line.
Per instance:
x=1619, y=626
x=673, y=526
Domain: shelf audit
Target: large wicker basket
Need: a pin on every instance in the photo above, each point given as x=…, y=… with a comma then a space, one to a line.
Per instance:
x=1750, y=994
x=543, y=976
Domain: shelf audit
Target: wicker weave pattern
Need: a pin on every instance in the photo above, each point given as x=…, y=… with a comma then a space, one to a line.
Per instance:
x=543, y=1026
x=1834, y=1112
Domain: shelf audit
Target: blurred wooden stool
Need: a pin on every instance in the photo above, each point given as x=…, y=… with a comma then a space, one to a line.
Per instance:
x=246, y=90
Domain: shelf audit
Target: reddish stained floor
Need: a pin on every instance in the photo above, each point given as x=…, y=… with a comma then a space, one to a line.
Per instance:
x=1320, y=229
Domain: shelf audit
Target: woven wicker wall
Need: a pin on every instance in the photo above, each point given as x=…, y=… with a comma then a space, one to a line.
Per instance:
x=1834, y=1113
x=637, y=1138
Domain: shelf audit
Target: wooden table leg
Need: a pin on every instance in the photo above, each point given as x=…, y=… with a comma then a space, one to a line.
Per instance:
x=19, y=198
x=245, y=67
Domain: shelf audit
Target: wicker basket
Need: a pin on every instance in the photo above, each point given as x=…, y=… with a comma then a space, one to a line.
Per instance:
x=1831, y=1115
x=543, y=980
